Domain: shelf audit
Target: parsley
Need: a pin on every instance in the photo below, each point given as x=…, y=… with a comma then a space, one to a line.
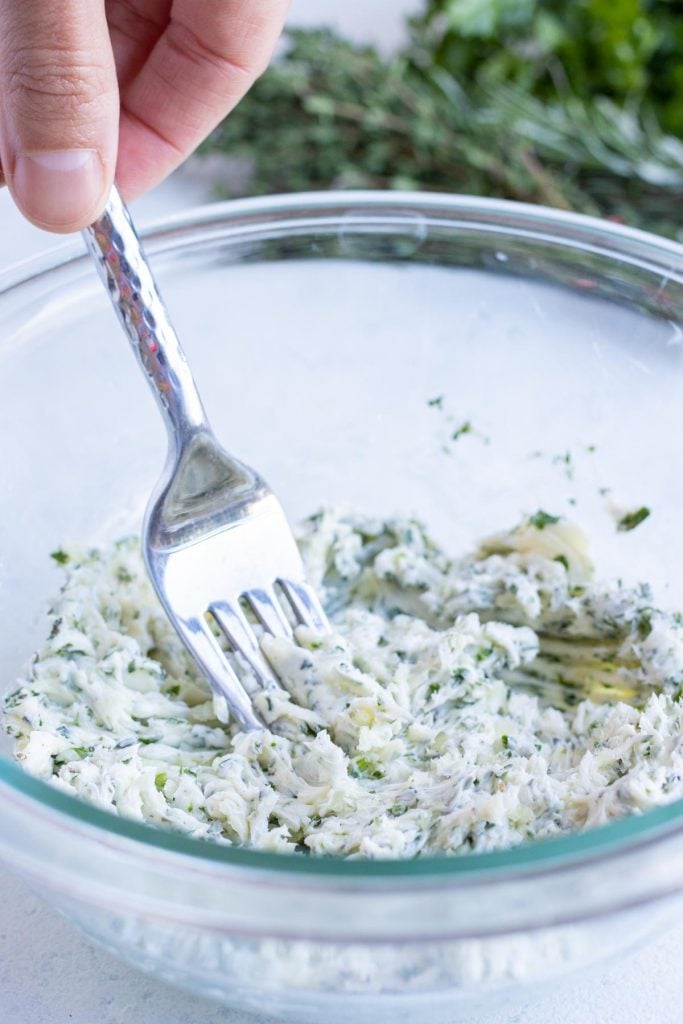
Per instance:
x=68, y=650
x=436, y=403
x=368, y=769
x=81, y=751
x=60, y=557
x=644, y=625
x=563, y=560
x=505, y=740
x=466, y=428
x=565, y=460
x=633, y=519
x=173, y=691
x=123, y=576
x=397, y=810
x=56, y=626
x=542, y=519
x=160, y=780
x=433, y=688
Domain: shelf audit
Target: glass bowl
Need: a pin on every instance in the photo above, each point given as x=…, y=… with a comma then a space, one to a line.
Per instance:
x=321, y=330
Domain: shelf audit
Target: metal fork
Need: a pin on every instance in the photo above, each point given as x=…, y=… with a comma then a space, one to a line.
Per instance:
x=215, y=537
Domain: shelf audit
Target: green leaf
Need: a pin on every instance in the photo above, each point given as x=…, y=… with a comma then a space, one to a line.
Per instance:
x=542, y=519
x=633, y=519
x=60, y=557
x=365, y=767
x=466, y=428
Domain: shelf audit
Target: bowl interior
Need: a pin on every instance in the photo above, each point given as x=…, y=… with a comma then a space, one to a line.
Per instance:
x=341, y=353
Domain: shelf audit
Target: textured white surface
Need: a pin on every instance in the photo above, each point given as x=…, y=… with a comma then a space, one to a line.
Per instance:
x=50, y=975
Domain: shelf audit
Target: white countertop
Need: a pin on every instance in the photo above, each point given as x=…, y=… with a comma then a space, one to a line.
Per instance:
x=49, y=974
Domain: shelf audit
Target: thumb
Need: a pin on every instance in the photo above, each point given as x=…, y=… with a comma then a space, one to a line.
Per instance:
x=59, y=109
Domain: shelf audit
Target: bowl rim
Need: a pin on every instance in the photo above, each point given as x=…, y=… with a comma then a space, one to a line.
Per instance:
x=615, y=241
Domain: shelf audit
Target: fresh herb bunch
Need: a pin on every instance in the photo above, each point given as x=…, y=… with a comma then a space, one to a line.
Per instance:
x=630, y=51
x=489, y=97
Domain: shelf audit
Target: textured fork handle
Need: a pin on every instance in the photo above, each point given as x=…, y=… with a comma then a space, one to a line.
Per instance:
x=122, y=264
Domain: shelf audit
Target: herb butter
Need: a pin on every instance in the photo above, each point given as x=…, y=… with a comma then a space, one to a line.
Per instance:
x=459, y=704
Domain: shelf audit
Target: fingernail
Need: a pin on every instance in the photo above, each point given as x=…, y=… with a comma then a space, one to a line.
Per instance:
x=59, y=188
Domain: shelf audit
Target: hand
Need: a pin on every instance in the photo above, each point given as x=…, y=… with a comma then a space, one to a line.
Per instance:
x=89, y=88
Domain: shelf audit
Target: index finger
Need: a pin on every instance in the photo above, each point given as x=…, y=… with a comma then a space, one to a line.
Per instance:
x=209, y=55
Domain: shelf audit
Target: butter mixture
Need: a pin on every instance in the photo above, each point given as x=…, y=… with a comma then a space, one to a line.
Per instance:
x=459, y=704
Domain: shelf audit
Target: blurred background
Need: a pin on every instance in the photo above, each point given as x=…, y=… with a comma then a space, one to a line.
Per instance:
x=576, y=105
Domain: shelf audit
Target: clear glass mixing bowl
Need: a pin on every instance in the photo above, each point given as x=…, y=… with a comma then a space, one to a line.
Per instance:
x=319, y=328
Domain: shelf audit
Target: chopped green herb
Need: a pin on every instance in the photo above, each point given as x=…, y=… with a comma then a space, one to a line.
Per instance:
x=81, y=751
x=563, y=560
x=68, y=651
x=60, y=557
x=505, y=740
x=466, y=428
x=367, y=768
x=633, y=519
x=160, y=780
x=56, y=626
x=565, y=460
x=542, y=519
x=123, y=576
x=397, y=810
x=436, y=403
x=644, y=625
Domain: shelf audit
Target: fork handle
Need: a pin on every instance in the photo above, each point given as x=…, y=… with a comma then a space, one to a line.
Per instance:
x=116, y=249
